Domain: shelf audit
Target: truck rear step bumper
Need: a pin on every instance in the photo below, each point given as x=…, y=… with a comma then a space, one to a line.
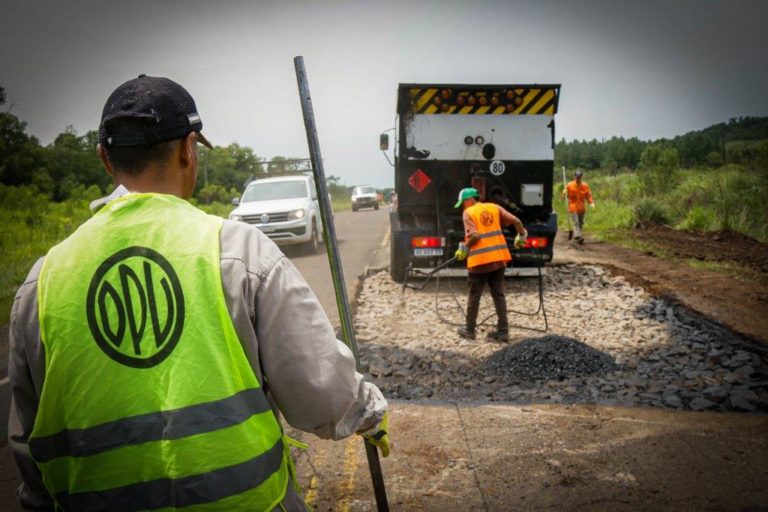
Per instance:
x=462, y=272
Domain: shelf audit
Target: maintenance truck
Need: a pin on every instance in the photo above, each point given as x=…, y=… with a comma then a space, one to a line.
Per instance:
x=498, y=139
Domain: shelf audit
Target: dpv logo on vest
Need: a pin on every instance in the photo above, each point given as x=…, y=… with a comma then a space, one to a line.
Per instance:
x=486, y=219
x=135, y=307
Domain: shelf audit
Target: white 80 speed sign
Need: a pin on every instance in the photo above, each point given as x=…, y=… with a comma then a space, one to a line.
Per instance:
x=497, y=168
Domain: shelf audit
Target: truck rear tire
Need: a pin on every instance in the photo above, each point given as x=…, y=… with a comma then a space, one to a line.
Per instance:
x=398, y=257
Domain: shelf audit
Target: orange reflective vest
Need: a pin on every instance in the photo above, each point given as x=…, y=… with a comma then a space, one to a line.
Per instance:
x=578, y=194
x=492, y=246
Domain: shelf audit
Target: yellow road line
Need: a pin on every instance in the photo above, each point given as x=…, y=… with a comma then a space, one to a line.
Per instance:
x=351, y=462
x=311, y=493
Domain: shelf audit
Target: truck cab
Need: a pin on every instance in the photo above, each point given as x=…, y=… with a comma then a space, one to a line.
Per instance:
x=498, y=139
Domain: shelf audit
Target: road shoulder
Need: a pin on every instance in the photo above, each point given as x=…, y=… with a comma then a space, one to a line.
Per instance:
x=448, y=456
x=739, y=306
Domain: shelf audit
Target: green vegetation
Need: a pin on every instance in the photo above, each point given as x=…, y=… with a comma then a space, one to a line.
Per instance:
x=32, y=223
x=698, y=199
x=707, y=180
x=742, y=141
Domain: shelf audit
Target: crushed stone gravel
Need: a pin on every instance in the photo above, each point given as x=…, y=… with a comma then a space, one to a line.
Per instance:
x=608, y=342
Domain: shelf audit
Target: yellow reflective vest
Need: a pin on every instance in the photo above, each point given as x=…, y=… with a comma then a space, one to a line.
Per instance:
x=149, y=401
x=492, y=246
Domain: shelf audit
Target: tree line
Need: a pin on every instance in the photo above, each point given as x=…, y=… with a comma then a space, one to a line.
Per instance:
x=742, y=140
x=63, y=167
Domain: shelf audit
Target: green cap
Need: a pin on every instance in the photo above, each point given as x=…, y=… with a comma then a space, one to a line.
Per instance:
x=465, y=194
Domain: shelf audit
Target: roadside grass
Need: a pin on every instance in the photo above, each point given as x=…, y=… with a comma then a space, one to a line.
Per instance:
x=219, y=209
x=602, y=222
x=722, y=267
x=702, y=199
x=340, y=204
x=32, y=224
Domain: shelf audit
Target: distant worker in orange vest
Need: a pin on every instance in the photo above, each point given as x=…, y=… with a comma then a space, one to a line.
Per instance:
x=487, y=255
x=578, y=193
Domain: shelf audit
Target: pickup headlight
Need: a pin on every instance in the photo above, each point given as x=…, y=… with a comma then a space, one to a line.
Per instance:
x=297, y=214
x=236, y=217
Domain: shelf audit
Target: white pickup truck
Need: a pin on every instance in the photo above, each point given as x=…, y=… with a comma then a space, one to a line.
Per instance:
x=285, y=208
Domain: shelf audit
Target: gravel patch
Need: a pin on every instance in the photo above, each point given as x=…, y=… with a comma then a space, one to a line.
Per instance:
x=608, y=342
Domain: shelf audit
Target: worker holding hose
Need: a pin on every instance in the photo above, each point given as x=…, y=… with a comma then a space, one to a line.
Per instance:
x=154, y=350
x=487, y=255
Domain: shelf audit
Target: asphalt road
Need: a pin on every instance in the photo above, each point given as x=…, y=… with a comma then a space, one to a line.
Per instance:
x=363, y=242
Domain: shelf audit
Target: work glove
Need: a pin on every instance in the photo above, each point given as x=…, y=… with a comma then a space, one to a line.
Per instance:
x=592, y=205
x=520, y=240
x=379, y=435
x=461, y=252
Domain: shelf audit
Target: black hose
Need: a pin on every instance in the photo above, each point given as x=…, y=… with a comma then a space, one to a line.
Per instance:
x=429, y=274
x=541, y=309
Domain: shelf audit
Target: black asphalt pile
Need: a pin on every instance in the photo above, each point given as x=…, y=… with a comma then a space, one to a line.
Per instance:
x=549, y=358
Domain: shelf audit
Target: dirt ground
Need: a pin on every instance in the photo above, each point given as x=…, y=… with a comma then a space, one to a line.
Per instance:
x=493, y=457
x=737, y=300
x=720, y=246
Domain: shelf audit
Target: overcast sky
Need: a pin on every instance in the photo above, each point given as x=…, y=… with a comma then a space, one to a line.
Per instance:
x=646, y=68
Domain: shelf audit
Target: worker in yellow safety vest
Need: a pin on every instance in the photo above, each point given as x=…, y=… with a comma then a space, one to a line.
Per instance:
x=143, y=344
x=487, y=255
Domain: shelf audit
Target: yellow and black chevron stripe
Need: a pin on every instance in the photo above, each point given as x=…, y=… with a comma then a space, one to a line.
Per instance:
x=513, y=100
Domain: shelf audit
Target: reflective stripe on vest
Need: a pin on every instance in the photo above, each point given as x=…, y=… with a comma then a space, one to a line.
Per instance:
x=492, y=246
x=149, y=400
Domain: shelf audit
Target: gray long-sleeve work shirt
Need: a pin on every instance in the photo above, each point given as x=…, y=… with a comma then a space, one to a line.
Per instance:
x=286, y=335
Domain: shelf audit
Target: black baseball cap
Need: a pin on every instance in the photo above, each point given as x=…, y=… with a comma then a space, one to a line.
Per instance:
x=168, y=109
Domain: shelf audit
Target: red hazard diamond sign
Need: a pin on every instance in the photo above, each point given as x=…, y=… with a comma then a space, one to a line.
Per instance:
x=419, y=180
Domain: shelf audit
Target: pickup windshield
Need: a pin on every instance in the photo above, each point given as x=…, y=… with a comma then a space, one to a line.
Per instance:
x=364, y=190
x=275, y=190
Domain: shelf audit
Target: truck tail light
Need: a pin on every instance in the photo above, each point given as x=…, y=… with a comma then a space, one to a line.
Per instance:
x=424, y=242
x=536, y=242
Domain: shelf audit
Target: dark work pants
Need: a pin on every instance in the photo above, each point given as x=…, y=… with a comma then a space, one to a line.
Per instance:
x=477, y=281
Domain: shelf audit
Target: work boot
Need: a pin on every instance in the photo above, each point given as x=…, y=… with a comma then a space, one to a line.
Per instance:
x=498, y=335
x=466, y=332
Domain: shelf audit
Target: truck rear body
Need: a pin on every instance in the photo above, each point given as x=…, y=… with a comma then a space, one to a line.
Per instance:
x=496, y=138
